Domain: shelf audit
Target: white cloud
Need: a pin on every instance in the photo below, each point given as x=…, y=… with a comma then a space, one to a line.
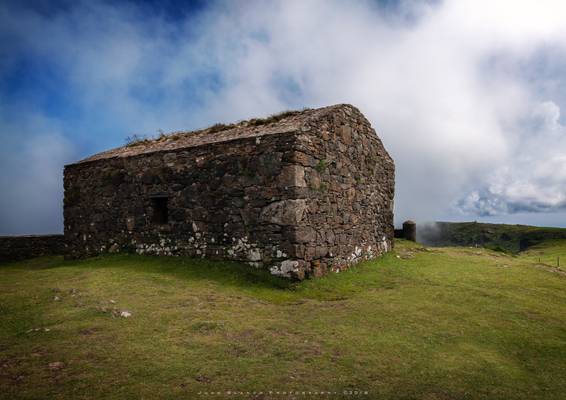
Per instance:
x=31, y=161
x=533, y=177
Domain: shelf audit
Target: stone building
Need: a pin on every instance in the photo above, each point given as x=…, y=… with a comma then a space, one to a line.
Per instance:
x=299, y=193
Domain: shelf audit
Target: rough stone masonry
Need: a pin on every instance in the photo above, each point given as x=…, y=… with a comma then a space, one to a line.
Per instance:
x=299, y=193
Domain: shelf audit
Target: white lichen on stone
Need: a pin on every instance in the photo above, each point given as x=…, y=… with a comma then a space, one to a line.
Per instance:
x=280, y=254
x=385, y=244
x=254, y=254
x=285, y=269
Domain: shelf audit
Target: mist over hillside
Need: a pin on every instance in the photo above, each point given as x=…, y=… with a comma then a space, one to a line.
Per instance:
x=509, y=238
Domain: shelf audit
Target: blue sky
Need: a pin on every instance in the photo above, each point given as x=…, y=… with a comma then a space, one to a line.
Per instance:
x=466, y=95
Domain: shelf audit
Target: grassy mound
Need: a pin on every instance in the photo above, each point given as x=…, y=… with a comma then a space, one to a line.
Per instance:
x=443, y=323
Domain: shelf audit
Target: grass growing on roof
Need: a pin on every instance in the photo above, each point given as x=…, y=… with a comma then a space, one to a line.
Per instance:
x=136, y=140
x=447, y=323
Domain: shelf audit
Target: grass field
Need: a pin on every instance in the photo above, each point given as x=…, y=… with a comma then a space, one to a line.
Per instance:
x=442, y=323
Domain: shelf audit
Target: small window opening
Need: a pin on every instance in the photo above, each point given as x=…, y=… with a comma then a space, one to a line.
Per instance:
x=160, y=211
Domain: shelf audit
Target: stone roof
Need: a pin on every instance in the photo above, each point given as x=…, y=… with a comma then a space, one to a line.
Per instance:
x=289, y=121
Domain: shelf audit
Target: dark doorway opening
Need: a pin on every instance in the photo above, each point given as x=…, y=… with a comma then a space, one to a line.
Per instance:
x=160, y=215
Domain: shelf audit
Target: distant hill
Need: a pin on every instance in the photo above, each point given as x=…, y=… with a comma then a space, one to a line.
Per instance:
x=508, y=238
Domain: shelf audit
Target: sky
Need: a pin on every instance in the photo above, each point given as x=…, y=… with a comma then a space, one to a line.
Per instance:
x=467, y=95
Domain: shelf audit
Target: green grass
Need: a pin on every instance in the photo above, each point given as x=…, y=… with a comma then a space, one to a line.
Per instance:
x=443, y=323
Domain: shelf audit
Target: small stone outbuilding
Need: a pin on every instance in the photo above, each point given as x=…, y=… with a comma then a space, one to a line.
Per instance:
x=299, y=193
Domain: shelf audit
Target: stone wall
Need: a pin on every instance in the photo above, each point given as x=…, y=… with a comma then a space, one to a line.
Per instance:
x=407, y=232
x=14, y=248
x=216, y=194
x=348, y=189
x=300, y=203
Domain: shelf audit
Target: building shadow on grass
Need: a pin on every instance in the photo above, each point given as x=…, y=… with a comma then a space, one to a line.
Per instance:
x=226, y=273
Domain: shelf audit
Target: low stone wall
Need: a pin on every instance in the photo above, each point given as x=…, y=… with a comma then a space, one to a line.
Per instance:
x=13, y=248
